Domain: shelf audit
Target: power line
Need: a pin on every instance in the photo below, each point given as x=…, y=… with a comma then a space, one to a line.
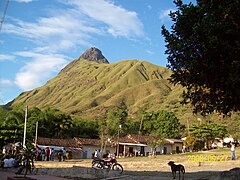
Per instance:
x=3, y=16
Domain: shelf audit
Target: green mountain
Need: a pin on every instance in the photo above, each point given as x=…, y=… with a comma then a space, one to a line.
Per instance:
x=89, y=86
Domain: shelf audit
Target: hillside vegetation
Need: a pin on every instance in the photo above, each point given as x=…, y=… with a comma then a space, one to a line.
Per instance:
x=89, y=88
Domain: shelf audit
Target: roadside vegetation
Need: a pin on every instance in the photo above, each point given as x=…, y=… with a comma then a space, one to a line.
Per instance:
x=52, y=123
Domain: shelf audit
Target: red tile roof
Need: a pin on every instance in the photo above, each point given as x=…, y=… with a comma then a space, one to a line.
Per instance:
x=143, y=139
x=134, y=138
x=58, y=142
x=79, y=142
x=85, y=141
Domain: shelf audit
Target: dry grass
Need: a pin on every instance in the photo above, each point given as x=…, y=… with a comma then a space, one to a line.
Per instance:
x=87, y=88
x=159, y=163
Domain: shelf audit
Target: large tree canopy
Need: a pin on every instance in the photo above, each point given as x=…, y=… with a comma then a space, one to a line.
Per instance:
x=162, y=124
x=203, y=48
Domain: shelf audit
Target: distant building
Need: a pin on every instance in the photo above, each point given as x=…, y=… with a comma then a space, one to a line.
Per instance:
x=228, y=140
x=58, y=144
x=138, y=145
x=90, y=145
x=130, y=145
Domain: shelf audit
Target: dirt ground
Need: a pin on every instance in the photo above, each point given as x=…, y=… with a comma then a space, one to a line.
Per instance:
x=140, y=168
x=211, y=165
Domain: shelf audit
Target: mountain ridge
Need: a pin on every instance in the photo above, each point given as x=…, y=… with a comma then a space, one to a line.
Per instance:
x=89, y=88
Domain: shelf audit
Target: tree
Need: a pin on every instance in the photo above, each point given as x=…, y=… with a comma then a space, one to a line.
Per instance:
x=103, y=133
x=11, y=129
x=190, y=142
x=34, y=115
x=83, y=128
x=130, y=127
x=208, y=132
x=162, y=124
x=153, y=143
x=56, y=123
x=203, y=49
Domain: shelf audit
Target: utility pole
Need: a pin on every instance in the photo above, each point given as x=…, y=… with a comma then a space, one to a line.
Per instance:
x=36, y=135
x=140, y=128
x=188, y=125
x=3, y=14
x=119, y=127
x=25, y=128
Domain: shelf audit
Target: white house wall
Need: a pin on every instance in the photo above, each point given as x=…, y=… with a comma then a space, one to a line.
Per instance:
x=175, y=145
x=171, y=148
x=89, y=149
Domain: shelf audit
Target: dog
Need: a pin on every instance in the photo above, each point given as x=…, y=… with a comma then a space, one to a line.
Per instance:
x=180, y=168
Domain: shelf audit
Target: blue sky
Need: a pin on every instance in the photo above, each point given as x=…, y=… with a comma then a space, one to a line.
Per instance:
x=39, y=37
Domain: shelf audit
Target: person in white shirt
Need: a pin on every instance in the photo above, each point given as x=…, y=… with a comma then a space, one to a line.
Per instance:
x=4, y=151
x=233, y=151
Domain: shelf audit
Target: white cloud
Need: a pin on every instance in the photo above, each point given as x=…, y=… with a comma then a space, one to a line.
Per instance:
x=66, y=29
x=60, y=32
x=38, y=71
x=149, y=52
x=23, y=1
x=118, y=21
x=164, y=14
x=5, y=83
x=4, y=57
x=69, y=28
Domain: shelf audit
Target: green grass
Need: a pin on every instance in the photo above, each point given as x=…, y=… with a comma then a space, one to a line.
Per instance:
x=87, y=89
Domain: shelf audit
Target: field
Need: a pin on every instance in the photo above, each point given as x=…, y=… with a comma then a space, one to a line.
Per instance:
x=198, y=165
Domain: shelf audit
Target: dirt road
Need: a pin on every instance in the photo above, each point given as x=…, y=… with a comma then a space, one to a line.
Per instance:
x=212, y=164
x=153, y=168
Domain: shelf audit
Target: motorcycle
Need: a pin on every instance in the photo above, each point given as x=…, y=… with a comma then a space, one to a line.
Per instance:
x=110, y=164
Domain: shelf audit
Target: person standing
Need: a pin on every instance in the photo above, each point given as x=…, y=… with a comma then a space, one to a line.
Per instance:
x=233, y=151
x=47, y=152
x=64, y=154
x=96, y=153
x=60, y=154
x=52, y=154
x=67, y=154
x=43, y=154
x=4, y=150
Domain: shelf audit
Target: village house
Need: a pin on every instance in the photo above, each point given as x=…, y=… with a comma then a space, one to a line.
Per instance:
x=137, y=145
x=172, y=146
x=130, y=145
x=89, y=146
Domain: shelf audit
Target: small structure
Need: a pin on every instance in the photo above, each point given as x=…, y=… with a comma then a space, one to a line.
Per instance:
x=172, y=146
x=217, y=143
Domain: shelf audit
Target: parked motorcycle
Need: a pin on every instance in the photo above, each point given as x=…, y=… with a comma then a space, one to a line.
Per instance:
x=110, y=163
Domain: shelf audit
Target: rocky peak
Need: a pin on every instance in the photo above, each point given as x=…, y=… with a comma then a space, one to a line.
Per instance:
x=94, y=54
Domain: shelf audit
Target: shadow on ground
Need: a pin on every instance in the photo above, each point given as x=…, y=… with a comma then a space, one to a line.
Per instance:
x=81, y=173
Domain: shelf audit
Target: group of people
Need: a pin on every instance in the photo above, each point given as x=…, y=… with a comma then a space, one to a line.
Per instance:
x=10, y=161
x=44, y=154
x=48, y=154
x=63, y=155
